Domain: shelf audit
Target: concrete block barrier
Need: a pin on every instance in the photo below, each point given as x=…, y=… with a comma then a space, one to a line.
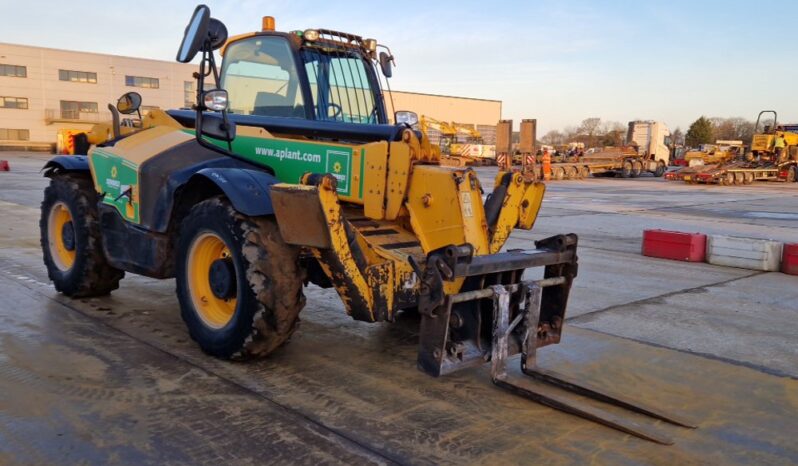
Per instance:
x=745, y=253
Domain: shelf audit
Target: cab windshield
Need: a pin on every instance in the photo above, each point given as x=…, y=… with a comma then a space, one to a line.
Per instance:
x=260, y=77
x=340, y=86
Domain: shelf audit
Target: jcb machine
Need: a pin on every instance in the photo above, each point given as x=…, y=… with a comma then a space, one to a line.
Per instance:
x=287, y=172
x=766, y=161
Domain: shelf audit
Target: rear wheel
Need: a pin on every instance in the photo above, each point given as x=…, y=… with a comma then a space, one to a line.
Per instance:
x=626, y=169
x=637, y=168
x=557, y=173
x=729, y=179
x=239, y=284
x=792, y=174
x=739, y=178
x=584, y=171
x=571, y=173
x=71, y=240
x=748, y=178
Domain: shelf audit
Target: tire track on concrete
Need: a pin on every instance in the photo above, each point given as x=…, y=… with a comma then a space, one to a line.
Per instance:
x=590, y=316
x=34, y=286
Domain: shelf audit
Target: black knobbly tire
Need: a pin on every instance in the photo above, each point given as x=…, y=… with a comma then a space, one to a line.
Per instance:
x=89, y=274
x=637, y=168
x=268, y=282
x=626, y=169
x=660, y=170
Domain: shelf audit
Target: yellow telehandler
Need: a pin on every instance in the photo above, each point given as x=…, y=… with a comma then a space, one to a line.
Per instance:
x=287, y=172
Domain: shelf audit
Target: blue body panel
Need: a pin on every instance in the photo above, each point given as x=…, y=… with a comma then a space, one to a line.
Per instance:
x=68, y=163
x=248, y=190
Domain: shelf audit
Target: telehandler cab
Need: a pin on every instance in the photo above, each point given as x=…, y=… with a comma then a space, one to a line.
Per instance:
x=288, y=172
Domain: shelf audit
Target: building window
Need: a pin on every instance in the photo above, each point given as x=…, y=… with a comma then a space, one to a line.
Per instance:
x=77, y=76
x=14, y=71
x=14, y=102
x=14, y=134
x=189, y=95
x=71, y=110
x=141, y=81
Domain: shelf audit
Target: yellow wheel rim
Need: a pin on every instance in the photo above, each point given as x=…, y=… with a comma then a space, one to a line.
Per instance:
x=63, y=257
x=205, y=249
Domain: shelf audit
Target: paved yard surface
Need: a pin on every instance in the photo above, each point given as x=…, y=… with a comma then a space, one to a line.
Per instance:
x=117, y=379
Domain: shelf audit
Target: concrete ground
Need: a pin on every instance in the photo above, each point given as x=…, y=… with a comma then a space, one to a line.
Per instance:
x=117, y=379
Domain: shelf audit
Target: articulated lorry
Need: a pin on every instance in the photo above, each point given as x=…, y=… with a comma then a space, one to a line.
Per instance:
x=646, y=150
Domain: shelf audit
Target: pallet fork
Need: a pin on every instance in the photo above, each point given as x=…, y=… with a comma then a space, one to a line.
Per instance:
x=520, y=316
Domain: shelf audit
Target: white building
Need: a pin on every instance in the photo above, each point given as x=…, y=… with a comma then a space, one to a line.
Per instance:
x=44, y=90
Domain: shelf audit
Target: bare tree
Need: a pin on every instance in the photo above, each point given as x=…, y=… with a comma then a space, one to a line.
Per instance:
x=553, y=138
x=677, y=136
x=570, y=133
x=736, y=128
x=590, y=127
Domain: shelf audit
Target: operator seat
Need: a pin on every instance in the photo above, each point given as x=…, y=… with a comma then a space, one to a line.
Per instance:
x=271, y=104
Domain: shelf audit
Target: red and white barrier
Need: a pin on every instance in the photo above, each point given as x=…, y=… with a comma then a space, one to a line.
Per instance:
x=674, y=245
x=789, y=259
x=731, y=251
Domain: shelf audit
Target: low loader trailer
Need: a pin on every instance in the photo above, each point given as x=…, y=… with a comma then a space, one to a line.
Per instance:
x=767, y=160
x=738, y=173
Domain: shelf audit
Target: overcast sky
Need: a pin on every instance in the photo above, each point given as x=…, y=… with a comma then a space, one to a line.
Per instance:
x=558, y=61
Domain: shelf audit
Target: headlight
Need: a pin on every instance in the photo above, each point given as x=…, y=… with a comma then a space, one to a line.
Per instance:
x=311, y=35
x=370, y=45
x=215, y=100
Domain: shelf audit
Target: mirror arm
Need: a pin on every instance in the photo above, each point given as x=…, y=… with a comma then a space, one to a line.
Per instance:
x=207, y=56
x=115, y=121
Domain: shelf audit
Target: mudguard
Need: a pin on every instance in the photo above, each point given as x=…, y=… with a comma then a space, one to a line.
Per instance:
x=248, y=190
x=73, y=163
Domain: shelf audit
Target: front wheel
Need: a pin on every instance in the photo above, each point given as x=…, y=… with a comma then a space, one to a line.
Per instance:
x=238, y=283
x=71, y=239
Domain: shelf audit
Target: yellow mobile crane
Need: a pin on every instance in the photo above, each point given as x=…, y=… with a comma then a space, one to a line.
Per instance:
x=474, y=150
x=453, y=152
x=448, y=132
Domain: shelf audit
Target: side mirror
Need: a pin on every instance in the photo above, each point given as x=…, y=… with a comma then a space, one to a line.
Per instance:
x=130, y=102
x=195, y=34
x=215, y=126
x=385, y=64
x=215, y=100
x=406, y=117
x=217, y=33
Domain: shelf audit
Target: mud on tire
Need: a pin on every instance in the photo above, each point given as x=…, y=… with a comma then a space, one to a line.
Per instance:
x=269, y=282
x=89, y=273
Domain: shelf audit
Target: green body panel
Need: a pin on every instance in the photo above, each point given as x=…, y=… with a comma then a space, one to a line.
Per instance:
x=292, y=159
x=113, y=176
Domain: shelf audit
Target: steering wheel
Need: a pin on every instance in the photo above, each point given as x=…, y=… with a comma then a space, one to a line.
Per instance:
x=339, y=111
